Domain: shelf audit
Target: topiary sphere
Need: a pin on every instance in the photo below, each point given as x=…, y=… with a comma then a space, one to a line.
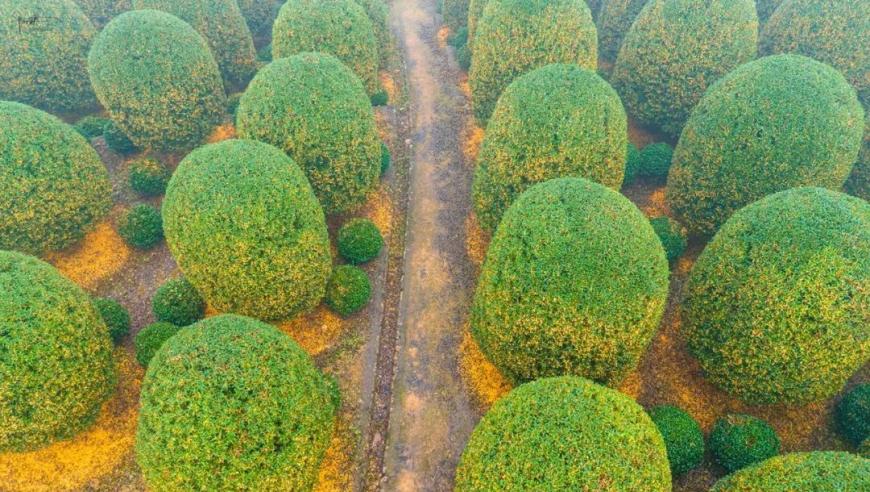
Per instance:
x=259, y=15
x=632, y=165
x=775, y=307
x=149, y=340
x=682, y=436
x=613, y=22
x=221, y=24
x=655, y=161
x=90, y=126
x=815, y=471
x=564, y=433
x=158, y=80
x=852, y=414
x=315, y=109
x=148, y=177
x=556, y=121
x=231, y=403
x=574, y=282
x=141, y=226
x=337, y=27
x=102, y=11
x=53, y=186
x=359, y=241
x=776, y=123
x=115, y=316
x=117, y=140
x=56, y=366
x=515, y=37
x=247, y=231
x=178, y=302
x=675, y=50
x=737, y=441
x=349, y=290
x=672, y=236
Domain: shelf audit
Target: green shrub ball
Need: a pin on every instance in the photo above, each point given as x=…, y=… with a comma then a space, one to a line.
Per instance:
x=738, y=441
x=614, y=20
x=564, y=433
x=515, y=37
x=115, y=316
x=158, y=80
x=556, y=121
x=672, y=236
x=56, y=368
x=675, y=50
x=148, y=177
x=574, y=282
x=53, y=186
x=632, y=165
x=141, y=226
x=776, y=123
x=149, y=340
x=775, y=306
x=655, y=161
x=231, y=403
x=247, y=231
x=315, y=109
x=349, y=290
x=178, y=302
x=852, y=414
x=682, y=435
x=359, y=241
x=91, y=127
x=817, y=471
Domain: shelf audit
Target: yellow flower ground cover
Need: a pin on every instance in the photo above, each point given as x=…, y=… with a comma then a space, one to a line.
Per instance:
x=98, y=256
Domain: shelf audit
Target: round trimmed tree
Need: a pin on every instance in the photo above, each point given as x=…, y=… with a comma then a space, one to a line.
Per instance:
x=564, y=433
x=574, y=282
x=43, y=54
x=517, y=36
x=675, y=50
x=56, y=365
x=739, y=440
x=613, y=22
x=818, y=470
x=247, y=231
x=682, y=435
x=158, y=79
x=852, y=414
x=53, y=186
x=316, y=110
x=231, y=403
x=775, y=306
x=556, y=121
x=776, y=123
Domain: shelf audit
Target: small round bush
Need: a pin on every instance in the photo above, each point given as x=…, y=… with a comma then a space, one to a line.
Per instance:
x=632, y=165
x=772, y=124
x=515, y=37
x=459, y=38
x=564, y=433
x=149, y=340
x=115, y=316
x=672, y=236
x=820, y=471
x=259, y=15
x=574, y=282
x=852, y=414
x=56, y=366
x=63, y=189
x=359, y=241
x=231, y=403
x=675, y=50
x=148, y=177
x=337, y=27
x=775, y=306
x=613, y=22
x=158, y=80
x=556, y=121
x=682, y=435
x=247, y=231
x=117, y=140
x=380, y=98
x=738, y=440
x=102, y=11
x=91, y=127
x=141, y=226
x=315, y=109
x=349, y=290
x=386, y=158
x=655, y=161
x=178, y=302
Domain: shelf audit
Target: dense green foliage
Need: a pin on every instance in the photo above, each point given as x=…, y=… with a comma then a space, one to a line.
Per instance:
x=380, y=98
x=53, y=186
x=149, y=340
x=475, y=12
x=858, y=183
x=776, y=123
x=632, y=165
x=259, y=15
x=141, y=226
x=338, y=27
x=348, y=290
x=178, y=302
x=359, y=241
x=675, y=50
x=117, y=140
x=455, y=14
x=819, y=471
x=852, y=414
x=115, y=316
x=765, y=8
x=56, y=365
x=386, y=158
x=231, y=403
x=655, y=161
x=738, y=440
x=564, y=433
x=379, y=13
x=102, y=11
x=169, y=95
x=574, y=282
x=247, y=231
x=682, y=436
x=148, y=177
x=315, y=109
x=775, y=308
x=517, y=36
x=613, y=22
x=556, y=121
x=672, y=236
x=91, y=126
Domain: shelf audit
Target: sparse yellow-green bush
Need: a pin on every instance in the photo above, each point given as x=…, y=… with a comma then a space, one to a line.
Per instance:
x=822, y=471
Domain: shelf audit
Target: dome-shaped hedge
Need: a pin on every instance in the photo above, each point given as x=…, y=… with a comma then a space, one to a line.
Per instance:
x=43, y=54
x=675, y=50
x=315, y=109
x=56, y=366
x=613, y=22
x=246, y=230
x=682, y=435
x=574, y=282
x=102, y=11
x=338, y=27
x=564, y=433
x=158, y=80
x=739, y=440
x=221, y=24
x=772, y=124
x=53, y=187
x=517, y=36
x=556, y=121
x=231, y=403
x=821, y=471
x=775, y=308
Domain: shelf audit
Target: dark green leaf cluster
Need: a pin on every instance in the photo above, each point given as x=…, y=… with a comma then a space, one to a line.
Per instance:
x=386, y=158
x=141, y=226
x=349, y=290
x=632, y=165
x=117, y=140
x=852, y=414
x=818, y=471
x=115, y=316
x=672, y=236
x=259, y=15
x=613, y=22
x=178, y=302
x=359, y=241
x=738, y=441
x=149, y=340
x=655, y=162
x=91, y=126
x=148, y=176
x=682, y=435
